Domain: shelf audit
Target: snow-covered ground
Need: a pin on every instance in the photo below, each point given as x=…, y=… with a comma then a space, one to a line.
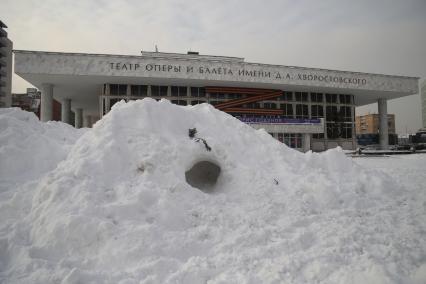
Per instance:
x=111, y=204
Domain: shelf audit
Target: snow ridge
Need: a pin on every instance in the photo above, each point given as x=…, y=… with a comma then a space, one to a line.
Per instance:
x=117, y=209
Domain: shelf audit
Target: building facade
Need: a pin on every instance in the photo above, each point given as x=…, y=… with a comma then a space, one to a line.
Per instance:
x=367, y=128
x=370, y=124
x=5, y=68
x=305, y=108
x=29, y=101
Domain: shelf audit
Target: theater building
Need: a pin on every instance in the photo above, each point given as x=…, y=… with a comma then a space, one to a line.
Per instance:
x=306, y=108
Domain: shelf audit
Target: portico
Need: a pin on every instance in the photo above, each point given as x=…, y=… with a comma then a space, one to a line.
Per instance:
x=90, y=84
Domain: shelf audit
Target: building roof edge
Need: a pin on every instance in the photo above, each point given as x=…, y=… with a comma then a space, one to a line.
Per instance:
x=208, y=59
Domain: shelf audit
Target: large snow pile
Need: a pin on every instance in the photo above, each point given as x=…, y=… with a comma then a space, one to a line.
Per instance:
x=29, y=148
x=119, y=209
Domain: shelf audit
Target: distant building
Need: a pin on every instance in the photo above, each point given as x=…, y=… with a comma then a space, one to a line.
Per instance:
x=369, y=124
x=423, y=98
x=30, y=101
x=5, y=68
x=367, y=129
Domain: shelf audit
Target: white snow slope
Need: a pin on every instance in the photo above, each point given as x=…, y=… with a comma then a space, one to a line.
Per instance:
x=29, y=148
x=117, y=209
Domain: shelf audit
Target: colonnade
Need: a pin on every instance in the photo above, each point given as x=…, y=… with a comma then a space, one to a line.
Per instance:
x=46, y=113
x=46, y=109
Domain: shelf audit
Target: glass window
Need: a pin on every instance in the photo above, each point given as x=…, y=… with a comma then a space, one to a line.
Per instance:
x=331, y=112
x=317, y=111
x=287, y=110
x=345, y=99
x=135, y=90
x=253, y=105
x=347, y=131
x=331, y=98
x=163, y=91
x=318, y=136
x=301, y=96
x=194, y=92
x=175, y=91
x=288, y=96
x=182, y=92
x=299, y=140
x=293, y=140
x=113, y=89
x=113, y=102
x=302, y=111
x=197, y=102
x=122, y=90
x=316, y=97
x=333, y=130
x=139, y=90
x=346, y=113
x=155, y=91
x=269, y=105
x=179, y=102
x=339, y=130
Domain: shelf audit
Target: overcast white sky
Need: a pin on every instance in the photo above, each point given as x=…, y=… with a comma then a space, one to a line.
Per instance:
x=378, y=36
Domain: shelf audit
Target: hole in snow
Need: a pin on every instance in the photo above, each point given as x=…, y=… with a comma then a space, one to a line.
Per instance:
x=203, y=175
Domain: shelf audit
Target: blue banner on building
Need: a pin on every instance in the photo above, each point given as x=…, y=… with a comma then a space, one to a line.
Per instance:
x=260, y=120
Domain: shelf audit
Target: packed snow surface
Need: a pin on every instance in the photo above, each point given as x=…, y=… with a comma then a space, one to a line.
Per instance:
x=28, y=148
x=112, y=204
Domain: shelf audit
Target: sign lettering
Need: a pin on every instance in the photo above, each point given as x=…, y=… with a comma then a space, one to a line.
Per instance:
x=240, y=72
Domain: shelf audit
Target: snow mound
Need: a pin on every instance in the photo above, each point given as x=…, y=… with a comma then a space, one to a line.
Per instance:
x=119, y=209
x=30, y=148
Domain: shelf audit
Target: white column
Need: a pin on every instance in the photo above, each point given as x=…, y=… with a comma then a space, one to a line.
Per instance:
x=46, y=108
x=66, y=111
x=107, y=90
x=325, y=126
x=306, y=142
x=87, y=121
x=169, y=91
x=149, y=91
x=383, y=124
x=354, y=143
x=78, y=118
x=129, y=90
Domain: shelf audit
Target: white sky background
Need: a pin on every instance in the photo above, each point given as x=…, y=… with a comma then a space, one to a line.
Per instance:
x=378, y=36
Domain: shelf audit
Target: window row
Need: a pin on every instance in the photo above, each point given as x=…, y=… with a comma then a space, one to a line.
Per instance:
x=333, y=113
x=156, y=91
x=292, y=140
x=182, y=91
x=339, y=130
x=316, y=97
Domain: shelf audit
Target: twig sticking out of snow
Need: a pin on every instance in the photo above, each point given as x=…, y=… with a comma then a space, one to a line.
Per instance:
x=192, y=132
